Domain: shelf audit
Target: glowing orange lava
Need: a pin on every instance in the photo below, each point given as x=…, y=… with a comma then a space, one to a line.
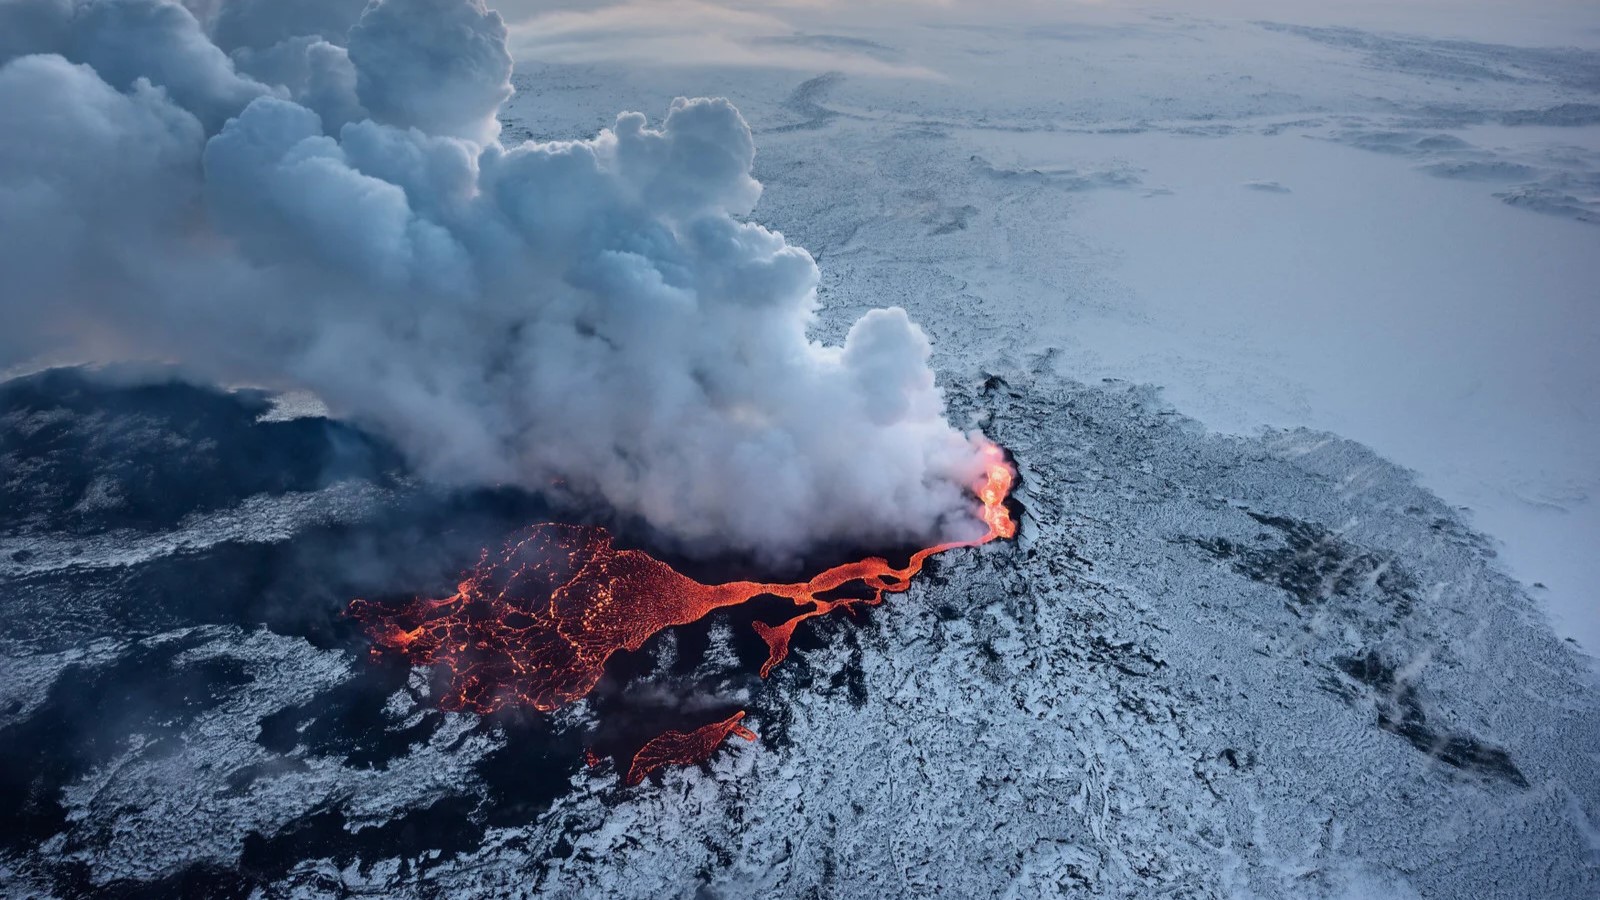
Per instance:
x=535, y=624
x=678, y=748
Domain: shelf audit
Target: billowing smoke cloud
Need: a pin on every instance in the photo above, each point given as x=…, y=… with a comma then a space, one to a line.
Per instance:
x=311, y=193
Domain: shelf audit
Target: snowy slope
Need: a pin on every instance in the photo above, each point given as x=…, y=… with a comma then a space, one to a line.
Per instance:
x=1234, y=652
x=1389, y=235
x=1210, y=666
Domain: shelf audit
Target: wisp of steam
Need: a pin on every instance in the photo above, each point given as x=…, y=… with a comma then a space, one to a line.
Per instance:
x=313, y=194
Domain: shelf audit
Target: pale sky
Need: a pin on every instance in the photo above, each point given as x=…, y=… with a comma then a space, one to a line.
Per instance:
x=740, y=32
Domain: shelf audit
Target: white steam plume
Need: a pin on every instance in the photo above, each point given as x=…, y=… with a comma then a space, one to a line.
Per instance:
x=312, y=193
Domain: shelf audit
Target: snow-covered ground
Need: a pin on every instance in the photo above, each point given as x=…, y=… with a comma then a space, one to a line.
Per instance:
x=1258, y=309
x=1389, y=231
x=1209, y=666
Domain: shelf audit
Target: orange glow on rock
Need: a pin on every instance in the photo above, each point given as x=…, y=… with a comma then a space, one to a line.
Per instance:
x=679, y=748
x=535, y=624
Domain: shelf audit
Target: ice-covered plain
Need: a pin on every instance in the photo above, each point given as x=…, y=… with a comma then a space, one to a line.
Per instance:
x=1093, y=182
x=1289, y=316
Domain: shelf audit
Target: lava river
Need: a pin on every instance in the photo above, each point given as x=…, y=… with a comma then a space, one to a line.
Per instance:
x=536, y=623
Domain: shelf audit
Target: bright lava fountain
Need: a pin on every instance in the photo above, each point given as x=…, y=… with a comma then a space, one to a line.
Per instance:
x=536, y=624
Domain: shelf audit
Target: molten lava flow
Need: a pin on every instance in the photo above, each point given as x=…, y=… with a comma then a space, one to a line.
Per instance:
x=876, y=573
x=536, y=624
x=678, y=748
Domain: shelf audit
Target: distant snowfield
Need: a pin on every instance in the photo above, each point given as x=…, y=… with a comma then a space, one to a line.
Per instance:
x=1392, y=234
x=1417, y=315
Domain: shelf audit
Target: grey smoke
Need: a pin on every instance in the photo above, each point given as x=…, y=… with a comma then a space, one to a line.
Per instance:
x=312, y=194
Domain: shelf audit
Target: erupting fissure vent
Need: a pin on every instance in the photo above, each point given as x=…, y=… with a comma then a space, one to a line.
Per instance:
x=536, y=623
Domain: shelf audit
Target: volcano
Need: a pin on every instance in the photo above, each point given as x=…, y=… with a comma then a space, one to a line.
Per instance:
x=535, y=624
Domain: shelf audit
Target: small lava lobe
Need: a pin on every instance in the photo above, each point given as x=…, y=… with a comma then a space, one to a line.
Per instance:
x=535, y=624
x=679, y=748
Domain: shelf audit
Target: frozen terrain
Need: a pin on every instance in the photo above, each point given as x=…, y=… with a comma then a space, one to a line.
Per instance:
x=1386, y=235
x=1209, y=666
x=1291, y=327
